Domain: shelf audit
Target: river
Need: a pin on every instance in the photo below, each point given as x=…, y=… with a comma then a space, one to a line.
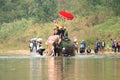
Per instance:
x=83, y=67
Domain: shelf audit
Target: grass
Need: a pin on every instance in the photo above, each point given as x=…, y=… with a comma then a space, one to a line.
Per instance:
x=109, y=28
x=16, y=35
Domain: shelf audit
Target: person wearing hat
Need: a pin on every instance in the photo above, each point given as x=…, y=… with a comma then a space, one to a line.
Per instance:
x=75, y=45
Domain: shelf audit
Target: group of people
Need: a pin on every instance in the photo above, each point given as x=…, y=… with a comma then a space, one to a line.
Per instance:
x=115, y=45
x=62, y=33
x=83, y=48
x=100, y=46
x=36, y=46
x=53, y=45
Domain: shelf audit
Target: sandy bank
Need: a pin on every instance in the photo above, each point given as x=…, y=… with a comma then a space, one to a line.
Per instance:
x=14, y=52
x=27, y=52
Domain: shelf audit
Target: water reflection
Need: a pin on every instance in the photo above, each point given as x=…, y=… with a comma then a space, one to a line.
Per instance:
x=55, y=68
x=14, y=69
x=60, y=68
x=46, y=69
x=38, y=69
x=83, y=69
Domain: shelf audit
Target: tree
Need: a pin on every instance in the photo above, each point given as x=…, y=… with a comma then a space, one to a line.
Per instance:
x=45, y=9
x=116, y=6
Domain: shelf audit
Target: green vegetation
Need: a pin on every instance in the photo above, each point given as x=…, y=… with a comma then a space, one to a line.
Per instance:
x=110, y=28
x=21, y=20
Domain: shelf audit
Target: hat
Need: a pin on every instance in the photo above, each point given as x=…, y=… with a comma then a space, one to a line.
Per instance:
x=41, y=47
x=75, y=40
x=64, y=27
x=39, y=39
x=82, y=40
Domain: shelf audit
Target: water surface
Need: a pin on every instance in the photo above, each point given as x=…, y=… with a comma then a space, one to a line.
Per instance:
x=85, y=67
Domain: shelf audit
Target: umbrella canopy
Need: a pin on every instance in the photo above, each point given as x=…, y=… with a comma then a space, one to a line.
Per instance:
x=33, y=39
x=66, y=15
x=39, y=39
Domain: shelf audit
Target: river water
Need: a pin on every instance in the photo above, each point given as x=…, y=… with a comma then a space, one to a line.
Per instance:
x=83, y=67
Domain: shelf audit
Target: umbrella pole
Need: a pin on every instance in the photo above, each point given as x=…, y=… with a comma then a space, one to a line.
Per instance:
x=64, y=22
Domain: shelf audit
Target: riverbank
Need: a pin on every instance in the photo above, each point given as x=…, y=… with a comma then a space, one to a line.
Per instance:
x=27, y=52
x=14, y=52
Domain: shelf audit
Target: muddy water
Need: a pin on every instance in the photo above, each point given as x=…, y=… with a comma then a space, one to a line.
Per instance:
x=59, y=68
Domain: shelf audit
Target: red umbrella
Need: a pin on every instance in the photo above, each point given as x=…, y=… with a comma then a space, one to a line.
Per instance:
x=66, y=15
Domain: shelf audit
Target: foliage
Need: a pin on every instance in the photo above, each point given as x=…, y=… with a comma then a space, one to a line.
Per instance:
x=44, y=10
x=67, y=44
x=116, y=6
x=110, y=28
x=17, y=9
x=21, y=20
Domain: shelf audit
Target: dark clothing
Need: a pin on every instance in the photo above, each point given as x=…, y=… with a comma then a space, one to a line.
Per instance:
x=40, y=51
x=83, y=47
x=65, y=53
x=58, y=32
x=98, y=44
x=118, y=45
x=56, y=49
x=31, y=49
x=62, y=32
x=96, y=50
x=88, y=50
x=82, y=50
x=115, y=47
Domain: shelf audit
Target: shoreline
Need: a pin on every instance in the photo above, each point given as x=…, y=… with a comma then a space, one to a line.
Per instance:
x=14, y=52
x=27, y=53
